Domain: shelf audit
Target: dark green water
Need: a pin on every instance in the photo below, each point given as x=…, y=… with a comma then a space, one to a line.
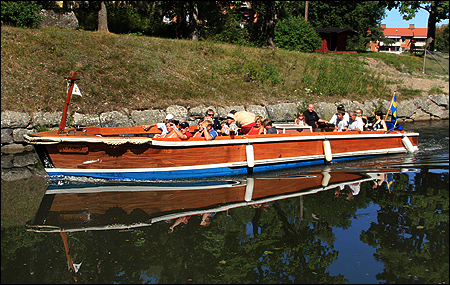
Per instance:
x=395, y=234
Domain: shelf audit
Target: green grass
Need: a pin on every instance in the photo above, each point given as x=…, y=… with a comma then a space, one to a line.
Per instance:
x=120, y=72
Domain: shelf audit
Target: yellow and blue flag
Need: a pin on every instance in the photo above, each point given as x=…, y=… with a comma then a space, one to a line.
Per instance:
x=394, y=110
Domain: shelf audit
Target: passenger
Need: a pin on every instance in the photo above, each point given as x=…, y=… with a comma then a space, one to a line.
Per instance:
x=355, y=123
x=334, y=119
x=258, y=128
x=341, y=123
x=210, y=114
x=379, y=123
x=311, y=117
x=184, y=132
x=300, y=119
x=359, y=112
x=268, y=129
x=206, y=130
x=229, y=125
x=162, y=126
x=245, y=120
x=171, y=127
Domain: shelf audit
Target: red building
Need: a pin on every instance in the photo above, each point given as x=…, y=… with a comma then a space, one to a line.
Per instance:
x=403, y=37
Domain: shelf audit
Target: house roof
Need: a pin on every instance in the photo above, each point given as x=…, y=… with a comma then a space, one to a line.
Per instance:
x=406, y=32
x=335, y=30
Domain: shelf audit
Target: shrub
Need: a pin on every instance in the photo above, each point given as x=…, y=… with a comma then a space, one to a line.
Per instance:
x=296, y=34
x=22, y=14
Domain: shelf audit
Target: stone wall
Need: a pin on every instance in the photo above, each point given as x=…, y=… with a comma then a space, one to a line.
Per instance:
x=14, y=124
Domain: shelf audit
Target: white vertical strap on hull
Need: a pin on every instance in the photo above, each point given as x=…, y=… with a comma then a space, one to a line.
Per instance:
x=250, y=155
x=407, y=143
x=249, y=189
x=327, y=150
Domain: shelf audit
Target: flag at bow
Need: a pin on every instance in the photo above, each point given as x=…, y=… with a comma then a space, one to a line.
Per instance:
x=76, y=90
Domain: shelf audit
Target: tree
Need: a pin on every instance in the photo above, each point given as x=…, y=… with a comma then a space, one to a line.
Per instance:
x=442, y=38
x=438, y=10
x=296, y=34
x=21, y=13
x=102, y=18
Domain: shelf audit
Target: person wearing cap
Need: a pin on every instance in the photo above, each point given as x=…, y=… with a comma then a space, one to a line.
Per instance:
x=334, y=120
x=245, y=120
x=161, y=126
x=210, y=114
x=229, y=126
x=184, y=132
x=341, y=124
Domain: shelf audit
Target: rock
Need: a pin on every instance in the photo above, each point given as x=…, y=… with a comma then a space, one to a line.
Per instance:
x=67, y=20
x=180, y=113
x=114, y=119
x=258, y=110
x=14, y=174
x=12, y=119
x=18, y=134
x=7, y=136
x=282, y=112
x=147, y=117
x=47, y=119
x=86, y=120
x=16, y=148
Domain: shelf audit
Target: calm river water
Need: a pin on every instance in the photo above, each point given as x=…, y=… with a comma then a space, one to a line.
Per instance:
x=377, y=220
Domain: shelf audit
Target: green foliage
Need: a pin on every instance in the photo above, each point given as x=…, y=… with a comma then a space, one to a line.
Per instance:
x=229, y=31
x=436, y=90
x=42, y=128
x=296, y=34
x=442, y=36
x=21, y=13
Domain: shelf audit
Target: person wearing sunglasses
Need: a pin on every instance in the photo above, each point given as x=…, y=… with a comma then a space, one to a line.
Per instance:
x=216, y=123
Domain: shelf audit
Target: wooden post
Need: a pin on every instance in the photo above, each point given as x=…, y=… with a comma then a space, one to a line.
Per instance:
x=392, y=100
x=62, y=125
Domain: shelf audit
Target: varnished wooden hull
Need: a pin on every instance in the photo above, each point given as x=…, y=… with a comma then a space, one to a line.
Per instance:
x=129, y=157
x=125, y=205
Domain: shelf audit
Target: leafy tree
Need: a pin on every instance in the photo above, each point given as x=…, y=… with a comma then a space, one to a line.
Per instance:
x=362, y=16
x=438, y=10
x=21, y=13
x=442, y=36
x=296, y=34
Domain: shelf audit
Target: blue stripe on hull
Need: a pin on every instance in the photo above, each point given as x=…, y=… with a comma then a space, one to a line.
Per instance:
x=196, y=173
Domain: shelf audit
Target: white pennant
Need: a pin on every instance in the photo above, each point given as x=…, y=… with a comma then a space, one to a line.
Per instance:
x=75, y=91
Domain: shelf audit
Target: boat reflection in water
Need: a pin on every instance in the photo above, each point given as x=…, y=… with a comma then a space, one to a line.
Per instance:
x=83, y=207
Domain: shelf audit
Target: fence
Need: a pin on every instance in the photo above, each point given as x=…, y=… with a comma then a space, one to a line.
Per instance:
x=435, y=62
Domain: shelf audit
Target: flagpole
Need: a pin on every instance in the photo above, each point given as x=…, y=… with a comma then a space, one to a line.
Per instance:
x=392, y=100
x=62, y=125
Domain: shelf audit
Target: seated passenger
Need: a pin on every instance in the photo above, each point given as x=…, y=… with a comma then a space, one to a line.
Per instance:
x=245, y=120
x=379, y=124
x=229, y=126
x=206, y=130
x=210, y=114
x=184, y=132
x=334, y=119
x=258, y=128
x=355, y=123
x=300, y=120
x=341, y=123
x=170, y=127
x=268, y=129
x=359, y=113
x=162, y=126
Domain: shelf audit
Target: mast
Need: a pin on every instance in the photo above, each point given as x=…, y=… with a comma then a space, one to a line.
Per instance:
x=62, y=125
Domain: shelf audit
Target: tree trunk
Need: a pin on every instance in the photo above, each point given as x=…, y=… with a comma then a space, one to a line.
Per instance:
x=102, y=18
x=193, y=21
x=271, y=19
x=432, y=19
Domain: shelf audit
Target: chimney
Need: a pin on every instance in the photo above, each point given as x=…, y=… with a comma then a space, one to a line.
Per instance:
x=411, y=26
x=383, y=26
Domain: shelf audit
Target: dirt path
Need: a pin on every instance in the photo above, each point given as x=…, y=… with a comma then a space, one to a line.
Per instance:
x=416, y=81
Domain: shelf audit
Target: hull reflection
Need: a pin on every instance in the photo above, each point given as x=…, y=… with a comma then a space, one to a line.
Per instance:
x=124, y=206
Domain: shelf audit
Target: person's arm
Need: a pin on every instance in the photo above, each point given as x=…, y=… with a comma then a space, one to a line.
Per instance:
x=206, y=134
x=180, y=134
x=383, y=123
x=148, y=127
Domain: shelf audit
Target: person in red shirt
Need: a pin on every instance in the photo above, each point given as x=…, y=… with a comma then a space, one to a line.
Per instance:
x=184, y=132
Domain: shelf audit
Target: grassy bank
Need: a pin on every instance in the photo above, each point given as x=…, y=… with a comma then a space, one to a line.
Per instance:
x=135, y=72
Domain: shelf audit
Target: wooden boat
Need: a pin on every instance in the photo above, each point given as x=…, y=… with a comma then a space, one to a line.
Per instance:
x=125, y=205
x=130, y=153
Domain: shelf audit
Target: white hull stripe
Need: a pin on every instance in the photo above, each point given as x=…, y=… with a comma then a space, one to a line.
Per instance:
x=231, y=165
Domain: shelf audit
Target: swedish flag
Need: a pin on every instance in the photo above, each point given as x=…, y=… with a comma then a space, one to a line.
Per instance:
x=394, y=110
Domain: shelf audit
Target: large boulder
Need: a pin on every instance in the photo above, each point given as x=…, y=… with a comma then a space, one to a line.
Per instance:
x=12, y=119
x=67, y=20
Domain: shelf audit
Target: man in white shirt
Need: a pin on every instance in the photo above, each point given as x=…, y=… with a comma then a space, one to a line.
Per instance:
x=355, y=123
x=334, y=119
x=341, y=123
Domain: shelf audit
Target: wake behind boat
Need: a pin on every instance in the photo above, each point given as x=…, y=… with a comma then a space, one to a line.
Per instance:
x=130, y=153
